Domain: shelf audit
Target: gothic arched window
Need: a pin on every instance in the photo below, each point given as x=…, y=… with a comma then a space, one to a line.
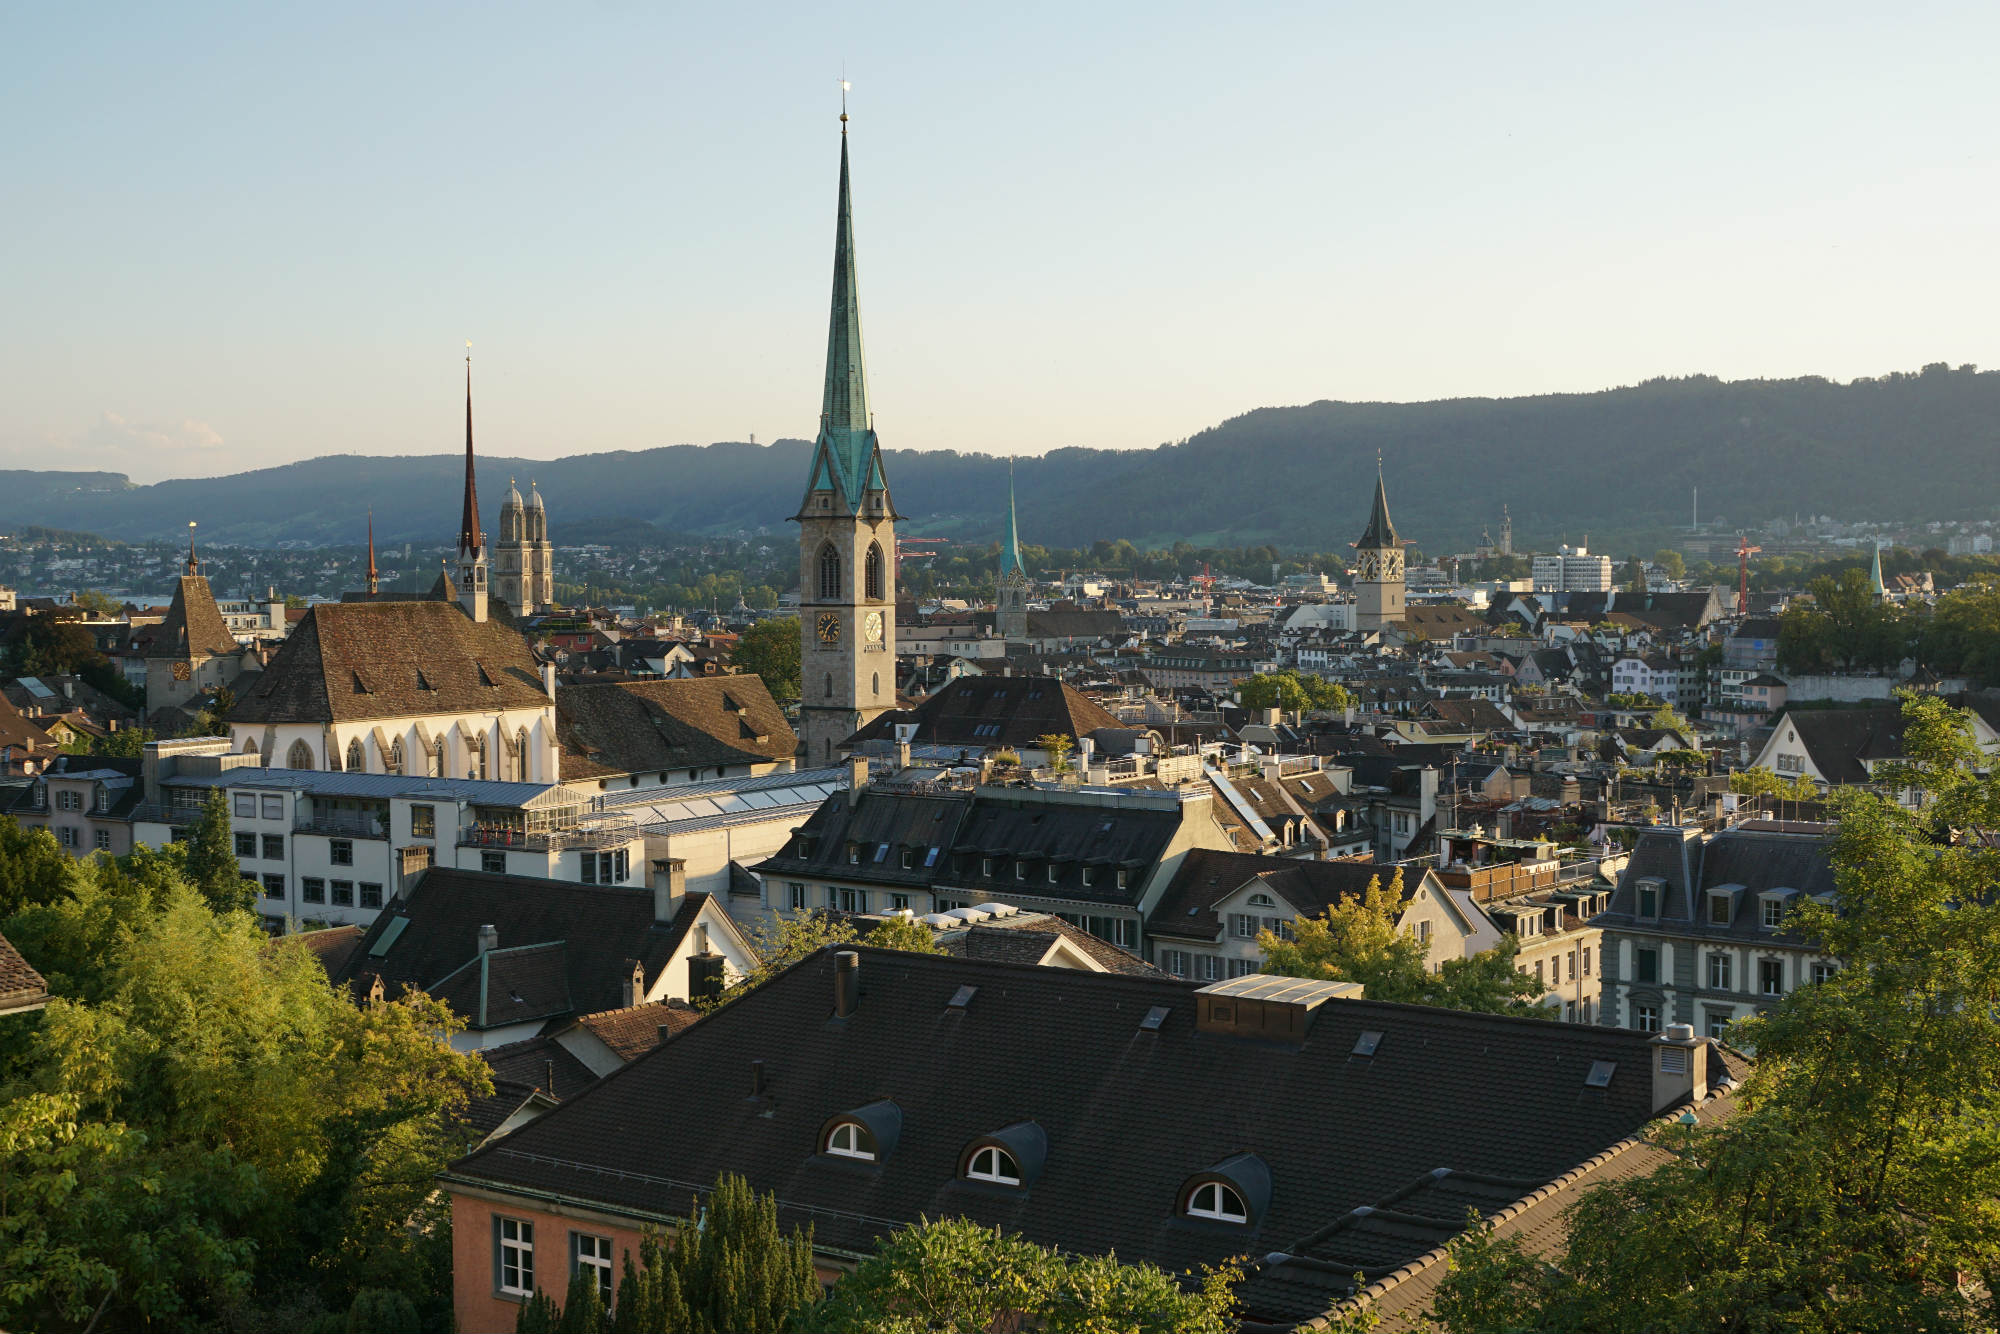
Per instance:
x=521, y=756
x=829, y=685
x=829, y=574
x=395, y=760
x=478, y=759
x=873, y=571
x=300, y=756
x=357, y=758
x=437, y=759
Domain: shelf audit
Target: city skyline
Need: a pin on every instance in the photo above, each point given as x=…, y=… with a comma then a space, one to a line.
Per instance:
x=1094, y=233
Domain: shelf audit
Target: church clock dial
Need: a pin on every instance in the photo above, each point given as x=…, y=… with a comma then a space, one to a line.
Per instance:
x=872, y=627
x=829, y=628
x=182, y=671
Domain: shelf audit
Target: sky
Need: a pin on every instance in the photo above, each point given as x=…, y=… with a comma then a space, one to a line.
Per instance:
x=240, y=236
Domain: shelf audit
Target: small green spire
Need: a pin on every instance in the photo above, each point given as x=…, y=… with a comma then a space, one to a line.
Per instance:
x=1010, y=550
x=1875, y=573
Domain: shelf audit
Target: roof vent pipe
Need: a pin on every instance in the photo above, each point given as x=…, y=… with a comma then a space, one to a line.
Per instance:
x=846, y=982
x=489, y=938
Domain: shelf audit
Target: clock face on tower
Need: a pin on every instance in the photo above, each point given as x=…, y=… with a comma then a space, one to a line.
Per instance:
x=872, y=627
x=829, y=628
x=182, y=671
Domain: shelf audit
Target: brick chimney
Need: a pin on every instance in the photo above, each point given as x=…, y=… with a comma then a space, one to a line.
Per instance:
x=1680, y=1067
x=857, y=778
x=670, y=886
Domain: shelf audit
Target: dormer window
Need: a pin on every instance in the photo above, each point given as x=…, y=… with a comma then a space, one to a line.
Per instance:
x=1649, y=898
x=850, y=1139
x=1216, y=1201
x=994, y=1164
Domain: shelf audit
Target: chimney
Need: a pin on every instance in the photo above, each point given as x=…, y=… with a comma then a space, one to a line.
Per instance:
x=670, y=886
x=634, y=990
x=902, y=754
x=857, y=778
x=1274, y=717
x=549, y=679
x=757, y=1078
x=1680, y=1067
x=489, y=938
x=846, y=982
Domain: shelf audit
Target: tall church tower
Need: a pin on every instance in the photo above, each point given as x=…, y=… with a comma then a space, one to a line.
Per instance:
x=1011, y=606
x=1378, y=574
x=847, y=534
x=471, y=582
x=522, y=571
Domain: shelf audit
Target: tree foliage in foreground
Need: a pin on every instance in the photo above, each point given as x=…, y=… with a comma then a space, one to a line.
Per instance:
x=1357, y=940
x=201, y=1127
x=771, y=649
x=953, y=1276
x=1859, y=1180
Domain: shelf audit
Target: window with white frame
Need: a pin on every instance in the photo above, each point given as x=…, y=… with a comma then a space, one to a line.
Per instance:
x=1774, y=913
x=849, y=1140
x=1646, y=1018
x=593, y=1253
x=798, y=895
x=1718, y=972
x=1771, y=977
x=514, y=1245
x=1214, y=1200
x=245, y=805
x=1175, y=962
x=995, y=1164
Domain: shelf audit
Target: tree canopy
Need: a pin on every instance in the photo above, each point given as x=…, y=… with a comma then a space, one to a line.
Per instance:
x=770, y=648
x=1292, y=692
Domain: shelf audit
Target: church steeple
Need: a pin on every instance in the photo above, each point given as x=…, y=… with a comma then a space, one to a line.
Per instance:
x=846, y=456
x=1010, y=547
x=374, y=582
x=1381, y=532
x=471, y=540
x=1378, y=567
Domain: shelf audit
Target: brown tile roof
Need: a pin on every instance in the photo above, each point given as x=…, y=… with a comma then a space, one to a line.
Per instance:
x=357, y=660
x=333, y=946
x=636, y=726
x=193, y=627
x=21, y=987
x=635, y=1030
x=986, y=712
x=19, y=732
x=1206, y=877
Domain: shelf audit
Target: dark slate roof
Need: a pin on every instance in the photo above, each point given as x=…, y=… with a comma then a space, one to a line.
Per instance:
x=20, y=985
x=1205, y=877
x=194, y=627
x=1017, y=709
x=1840, y=739
x=1473, y=714
x=537, y=1070
x=1068, y=622
x=333, y=946
x=690, y=722
x=1028, y=937
x=1380, y=531
x=355, y=660
x=1493, y=1099
x=1690, y=866
x=588, y=934
x=635, y=1030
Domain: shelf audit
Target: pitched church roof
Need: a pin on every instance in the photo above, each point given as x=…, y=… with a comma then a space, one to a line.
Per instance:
x=1381, y=532
x=193, y=628
x=847, y=458
x=635, y=726
x=353, y=660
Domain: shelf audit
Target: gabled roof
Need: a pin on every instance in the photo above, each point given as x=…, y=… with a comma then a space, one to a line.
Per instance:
x=1484, y=1097
x=633, y=1031
x=564, y=947
x=194, y=627
x=1028, y=938
x=987, y=712
x=1207, y=877
x=348, y=661
x=21, y=987
x=692, y=722
x=1840, y=739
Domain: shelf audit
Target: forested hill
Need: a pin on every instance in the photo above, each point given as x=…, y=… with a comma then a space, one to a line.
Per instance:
x=1620, y=465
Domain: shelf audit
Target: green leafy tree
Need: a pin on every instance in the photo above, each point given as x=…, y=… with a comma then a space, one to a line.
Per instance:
x=1357, y=940
x=1634, y=575
x=1292, y=692
x=1672, y=562
x=1682, y=761
x=953, y=1276
x=382, y=1311
x=730, y=1268
x=34, y=870
x=94, y=602
x=906, y=934
x=1664, y=719
x=538, y=1315
x=209, y=857
x=770, y=649
x=1057, y=745
x=1857, y=1186
x=1843, y=625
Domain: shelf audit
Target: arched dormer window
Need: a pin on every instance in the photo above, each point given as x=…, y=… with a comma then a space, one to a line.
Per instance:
x=300, y=756
x=1261, y=901
x=1010, y=1157
x=850, y=1139
x=357, y=758
x=873, y=572
x=867, y=1134
x=829, y=574
x=1236, y=1190
x=395, y=760
x=249, y=745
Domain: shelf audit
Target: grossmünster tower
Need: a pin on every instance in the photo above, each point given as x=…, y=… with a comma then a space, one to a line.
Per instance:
x=847, y=534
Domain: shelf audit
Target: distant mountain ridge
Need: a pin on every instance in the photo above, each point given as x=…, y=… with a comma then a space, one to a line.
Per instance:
x=1619, y=464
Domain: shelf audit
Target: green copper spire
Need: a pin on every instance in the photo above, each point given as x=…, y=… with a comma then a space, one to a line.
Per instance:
x=1010, y=549
x=846, y=437
x=1875, y=574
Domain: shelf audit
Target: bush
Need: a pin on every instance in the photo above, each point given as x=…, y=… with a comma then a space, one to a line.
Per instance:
x=381, y=1311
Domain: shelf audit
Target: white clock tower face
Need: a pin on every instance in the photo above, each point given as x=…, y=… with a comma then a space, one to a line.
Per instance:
x=872, y=627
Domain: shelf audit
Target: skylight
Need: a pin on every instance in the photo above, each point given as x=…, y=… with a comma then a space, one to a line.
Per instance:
x=1600, y=1074
x=1366, y=1044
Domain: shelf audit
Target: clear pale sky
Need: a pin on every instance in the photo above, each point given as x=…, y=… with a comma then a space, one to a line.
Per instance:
x=240, y=236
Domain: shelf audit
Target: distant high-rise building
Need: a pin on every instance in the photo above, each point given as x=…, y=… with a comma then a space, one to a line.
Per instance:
x=1378, y=572
x=1573, y=570
x=847, y=532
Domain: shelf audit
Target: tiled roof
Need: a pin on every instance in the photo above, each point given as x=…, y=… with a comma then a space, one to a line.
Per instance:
x=986, y=712
x=1206, y=877
x=333, y=946
x=601, y=928
x=509, y=986
x=1486, y=1096
x=1840, y=739
x=19, y=732
x=194, y=627
x=1028, y=937
x=21, y=987
x=691, y=722
x=357, y=660
x=635, y=1030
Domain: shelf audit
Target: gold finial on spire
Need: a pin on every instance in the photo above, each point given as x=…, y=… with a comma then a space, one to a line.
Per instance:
x=844, y=86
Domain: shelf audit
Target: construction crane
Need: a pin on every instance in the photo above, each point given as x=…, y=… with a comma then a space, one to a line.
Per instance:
x=902, y=542
x=1744, y=551
x=1204, y=581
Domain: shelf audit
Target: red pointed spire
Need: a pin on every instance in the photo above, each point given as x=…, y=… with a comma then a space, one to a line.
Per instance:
x=373, y=582
x=471, y=541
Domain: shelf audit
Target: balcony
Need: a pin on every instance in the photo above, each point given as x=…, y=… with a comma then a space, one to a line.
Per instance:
x=154, y=812
x=609, y=832
x=344, y=824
